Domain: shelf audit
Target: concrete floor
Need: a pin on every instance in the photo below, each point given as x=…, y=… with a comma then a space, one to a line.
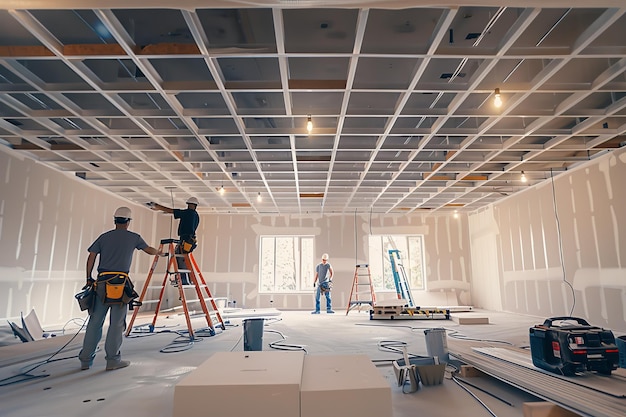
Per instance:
x=146, y=388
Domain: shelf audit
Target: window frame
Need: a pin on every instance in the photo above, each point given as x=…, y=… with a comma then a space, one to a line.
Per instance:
x=380, y=269
x=302, y=264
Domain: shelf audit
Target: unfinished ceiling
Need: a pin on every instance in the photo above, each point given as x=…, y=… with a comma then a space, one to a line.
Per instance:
x=148, y=102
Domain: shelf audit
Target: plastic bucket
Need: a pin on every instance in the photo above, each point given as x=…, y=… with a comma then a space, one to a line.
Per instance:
x=437, y=344
x=253, y=334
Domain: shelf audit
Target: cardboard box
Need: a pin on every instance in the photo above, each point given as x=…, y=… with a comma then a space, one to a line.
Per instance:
x=545, y=409
x=236, y=384
x=343, y=385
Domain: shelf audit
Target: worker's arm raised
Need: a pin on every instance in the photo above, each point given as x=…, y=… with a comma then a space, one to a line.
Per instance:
x=157, y=206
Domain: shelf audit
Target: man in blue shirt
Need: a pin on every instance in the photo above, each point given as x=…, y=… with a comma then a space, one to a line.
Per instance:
x=324, y=279
x=189, y=221
x=115, y=248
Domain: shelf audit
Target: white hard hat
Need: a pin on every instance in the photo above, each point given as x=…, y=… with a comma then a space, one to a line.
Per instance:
x=192, y=200
x=123, y=212
x=325, y=256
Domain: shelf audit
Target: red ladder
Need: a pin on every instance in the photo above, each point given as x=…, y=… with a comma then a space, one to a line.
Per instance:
x=197, y=283
x=362, y=272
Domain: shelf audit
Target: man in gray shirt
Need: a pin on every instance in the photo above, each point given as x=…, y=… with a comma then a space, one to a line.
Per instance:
x=324, y=279
x=116, y=248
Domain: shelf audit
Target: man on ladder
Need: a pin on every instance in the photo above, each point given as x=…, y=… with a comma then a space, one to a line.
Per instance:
x=189, y=221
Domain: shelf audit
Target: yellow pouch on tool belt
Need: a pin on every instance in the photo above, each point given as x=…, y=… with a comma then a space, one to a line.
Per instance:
x=187, y=245
x=115, y=285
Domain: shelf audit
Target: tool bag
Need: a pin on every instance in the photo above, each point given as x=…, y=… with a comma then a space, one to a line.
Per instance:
x=86, y=297
x=326, y=286
x=115, y=288
x=187, y=244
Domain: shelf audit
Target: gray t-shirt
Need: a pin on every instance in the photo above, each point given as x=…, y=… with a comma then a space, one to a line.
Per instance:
x=323, y=272
x=116, y=248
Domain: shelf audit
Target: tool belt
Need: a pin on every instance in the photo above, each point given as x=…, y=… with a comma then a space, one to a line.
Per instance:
x=187, y=244
x=115, y=288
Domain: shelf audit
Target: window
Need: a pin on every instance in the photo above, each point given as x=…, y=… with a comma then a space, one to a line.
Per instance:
x=286, y=264
x=411, y=250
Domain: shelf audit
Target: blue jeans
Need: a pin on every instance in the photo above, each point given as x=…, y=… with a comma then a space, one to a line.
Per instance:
x=318, y=293
x=93, y=334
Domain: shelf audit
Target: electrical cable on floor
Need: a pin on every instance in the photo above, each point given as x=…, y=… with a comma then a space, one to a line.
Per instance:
x=456, y=379
x=475, y=397
x=456, y=335
x=184, y=341
x=279, y=345
x=450, y=332
x=24, y=373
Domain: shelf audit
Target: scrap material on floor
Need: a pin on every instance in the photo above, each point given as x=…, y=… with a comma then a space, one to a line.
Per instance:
x=469, y=318
x=588, y=394
x=399, y=310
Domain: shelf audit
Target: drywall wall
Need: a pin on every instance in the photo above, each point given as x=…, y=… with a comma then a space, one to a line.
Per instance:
x=558, y=247
x=48, y=219
x=228, y=253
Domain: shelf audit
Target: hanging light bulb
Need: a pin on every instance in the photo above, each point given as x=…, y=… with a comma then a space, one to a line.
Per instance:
x=309, y=124
x=258, y=197
x=456, y=214
x=222, y=190
x=523, y=177
x=497, y=100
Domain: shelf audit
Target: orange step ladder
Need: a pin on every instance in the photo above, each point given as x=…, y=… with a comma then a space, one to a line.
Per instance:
x=361, y=285
x=197, y=283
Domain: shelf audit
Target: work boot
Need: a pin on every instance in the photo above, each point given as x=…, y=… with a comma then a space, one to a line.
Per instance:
x=111, y=366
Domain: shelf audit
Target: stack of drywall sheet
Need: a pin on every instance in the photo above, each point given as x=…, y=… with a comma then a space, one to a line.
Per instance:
x=343, y=385
x=283, y=384
x=237, y=384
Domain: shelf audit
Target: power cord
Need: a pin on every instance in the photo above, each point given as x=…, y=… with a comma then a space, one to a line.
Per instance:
x=24, y=373
x=560, y=239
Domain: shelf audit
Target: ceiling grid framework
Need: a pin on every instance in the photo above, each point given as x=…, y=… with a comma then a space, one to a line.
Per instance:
x=139, y=101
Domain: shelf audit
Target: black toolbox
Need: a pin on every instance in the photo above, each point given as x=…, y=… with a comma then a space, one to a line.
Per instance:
x=566, y=345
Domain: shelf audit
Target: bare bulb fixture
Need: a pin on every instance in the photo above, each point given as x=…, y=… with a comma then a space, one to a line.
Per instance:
x=222, y=190
x=258, y=197
x=523, y=177
x=309, y=124
x=497, y=99
x=456, y=214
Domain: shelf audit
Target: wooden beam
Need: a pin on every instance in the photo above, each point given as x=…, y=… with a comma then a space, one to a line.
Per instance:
x=17, y=51
x=475, y=178
x=111, y=49
x=170, y=49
